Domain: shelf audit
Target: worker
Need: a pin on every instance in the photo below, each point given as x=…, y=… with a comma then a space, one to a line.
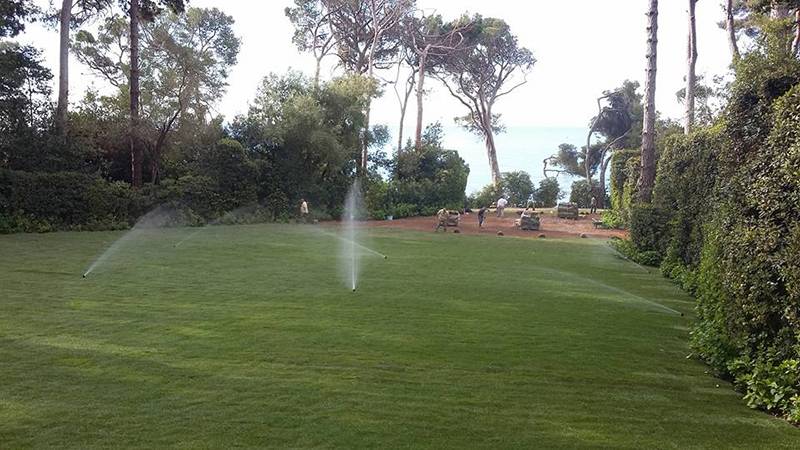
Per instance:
x=482, y=215
x=303, y=211
x=501, y=206
x=441, y=219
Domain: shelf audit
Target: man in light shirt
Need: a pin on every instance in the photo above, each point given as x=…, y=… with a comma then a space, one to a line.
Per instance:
x=501, y=206
x=303, y=211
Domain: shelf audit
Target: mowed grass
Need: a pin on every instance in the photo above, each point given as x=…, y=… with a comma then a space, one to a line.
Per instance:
x=249, y=336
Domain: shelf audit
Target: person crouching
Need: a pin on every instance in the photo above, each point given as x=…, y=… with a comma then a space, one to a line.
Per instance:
x=441, y=219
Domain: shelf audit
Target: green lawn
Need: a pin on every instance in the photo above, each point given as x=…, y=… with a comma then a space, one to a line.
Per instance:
x=247, y=336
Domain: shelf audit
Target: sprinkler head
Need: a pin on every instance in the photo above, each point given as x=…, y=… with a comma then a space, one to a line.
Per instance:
x=354, y=289
x=83, y=276
x=385, y=257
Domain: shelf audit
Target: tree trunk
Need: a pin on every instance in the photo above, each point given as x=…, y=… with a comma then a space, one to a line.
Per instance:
x=586, y=162
x=691, y=76
x=491, y=149
x=365, y=144
x=648, y=163
x=137, y=155
x=316, y=72
x=63, y=68
x=796, y=42
x=730, y=27
x=601, y=198
x=402, y=125
x=423, y=61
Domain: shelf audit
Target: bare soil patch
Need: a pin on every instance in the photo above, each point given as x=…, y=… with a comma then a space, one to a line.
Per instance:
x=550, y=225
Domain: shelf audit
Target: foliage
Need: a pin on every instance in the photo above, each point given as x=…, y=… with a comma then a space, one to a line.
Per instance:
x=582, y=195
x=425, y=180
x=13, y=15
x=725, y=217
x=518, y=187
x=570, y=160
x=549, y=193
x=185, y=61
x=648, y=228
x=771, y=386
x=25, y=108
x=39, y=202
x=629, y=250
x=685, y=190
x=482, y=74
x=488, y=195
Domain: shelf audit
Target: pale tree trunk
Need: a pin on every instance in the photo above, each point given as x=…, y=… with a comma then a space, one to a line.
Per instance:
x=796, y=42
x=601, y=197
x=648, y=163
x=423, y=61
x=586, y=162
x=691, y=76
x=491, y=149
x=365, y=144
x=63, y=68
x=730, y=27
x=403, y=109
x=137, y=154
x=316, y=72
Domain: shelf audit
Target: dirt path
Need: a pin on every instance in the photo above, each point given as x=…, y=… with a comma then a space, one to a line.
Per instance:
x=551, y=226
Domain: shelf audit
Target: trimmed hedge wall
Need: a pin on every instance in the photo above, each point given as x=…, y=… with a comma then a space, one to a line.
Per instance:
x=41, y=202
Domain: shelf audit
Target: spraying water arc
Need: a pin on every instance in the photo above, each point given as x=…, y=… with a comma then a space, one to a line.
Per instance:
x=350, y=259
x=156, y=218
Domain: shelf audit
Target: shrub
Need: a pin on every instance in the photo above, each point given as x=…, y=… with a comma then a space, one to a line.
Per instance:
x=41, y=202
x=623, y=173
x=747, y=279
x=582, y=196
x=648, y=228
x=612, y=218
x=627, y=249
x=685, y=190
x=769, y=385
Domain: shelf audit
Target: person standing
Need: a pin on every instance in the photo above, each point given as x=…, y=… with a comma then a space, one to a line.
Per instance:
x=593, y=205
x=482, y=215
x=501, y=206
x=303, y=210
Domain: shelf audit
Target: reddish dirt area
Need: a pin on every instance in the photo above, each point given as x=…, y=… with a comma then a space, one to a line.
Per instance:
x=550, y=225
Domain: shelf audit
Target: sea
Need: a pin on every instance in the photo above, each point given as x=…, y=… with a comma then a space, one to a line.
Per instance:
x=518, y=148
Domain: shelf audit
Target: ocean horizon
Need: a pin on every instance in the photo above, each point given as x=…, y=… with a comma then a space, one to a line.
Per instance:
x=518, y=148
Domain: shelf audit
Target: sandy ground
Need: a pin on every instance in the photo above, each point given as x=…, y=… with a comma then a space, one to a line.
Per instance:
x=550, y=225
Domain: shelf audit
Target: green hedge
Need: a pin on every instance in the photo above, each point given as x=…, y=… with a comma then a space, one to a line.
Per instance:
x=686, y=190
x=730, y=196
x=40, y=202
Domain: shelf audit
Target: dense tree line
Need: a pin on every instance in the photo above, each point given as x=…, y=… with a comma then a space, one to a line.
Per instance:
x=167, y=64
x=724, y=220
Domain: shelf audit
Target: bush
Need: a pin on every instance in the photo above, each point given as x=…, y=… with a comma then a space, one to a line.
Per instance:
x=627, y=249
x=685, y=190
x=41, y=202
x=612, y=218
x=648, y=229
x=747, y=280
x=624, y=172
x=549, y=193
x=769, y=385
x=582, y=195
